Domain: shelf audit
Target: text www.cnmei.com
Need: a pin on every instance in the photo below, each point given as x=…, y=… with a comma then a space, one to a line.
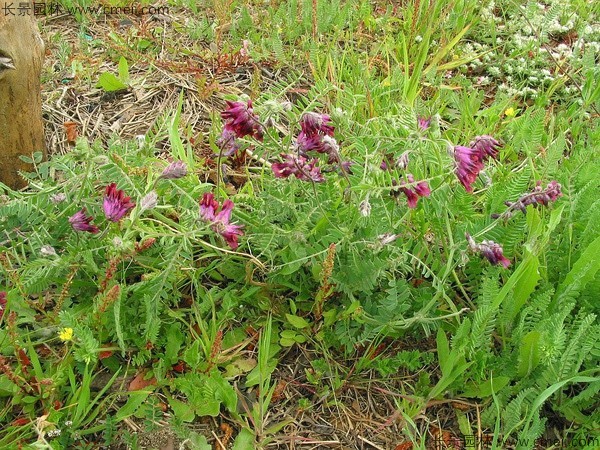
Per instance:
x=111, y=10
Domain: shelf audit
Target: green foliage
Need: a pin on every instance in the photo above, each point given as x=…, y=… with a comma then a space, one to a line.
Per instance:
x=342, y=272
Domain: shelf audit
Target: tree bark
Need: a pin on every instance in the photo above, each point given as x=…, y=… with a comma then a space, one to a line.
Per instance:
x=21, y=58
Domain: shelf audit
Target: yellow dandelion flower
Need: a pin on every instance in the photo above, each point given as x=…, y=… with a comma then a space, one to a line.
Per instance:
x=510, y=112
x=66, y=334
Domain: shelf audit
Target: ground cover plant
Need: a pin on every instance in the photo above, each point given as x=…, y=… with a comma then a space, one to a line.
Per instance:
x=309, y=225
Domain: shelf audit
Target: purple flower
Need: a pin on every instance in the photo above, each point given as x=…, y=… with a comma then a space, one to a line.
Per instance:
x=2, y=303
x=314, y=123
x=347, y=166
x=383, y=165
x=487, y=146
x=423, y=123
x=468, y=165
x=314, y=128
x=490, y=250
x=176, y=169
x=469, y=160
x=227, y=142
x=221, y=225
x=299, y=167
x=80, y=221
x=220, y=221
x=542, y=196
x=208, y=207
x=116, y=204
x=421, y=189
x=539, y=196
x=411, y=196
x=241, y=120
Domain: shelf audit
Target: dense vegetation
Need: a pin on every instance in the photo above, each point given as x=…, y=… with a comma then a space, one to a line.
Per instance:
x=409, y=209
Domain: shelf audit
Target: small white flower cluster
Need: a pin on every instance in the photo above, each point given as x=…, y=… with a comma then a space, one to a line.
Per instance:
x=529, y=40
x=53, y=433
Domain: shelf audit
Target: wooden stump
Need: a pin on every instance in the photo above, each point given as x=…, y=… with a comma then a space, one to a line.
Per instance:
x=21, y=58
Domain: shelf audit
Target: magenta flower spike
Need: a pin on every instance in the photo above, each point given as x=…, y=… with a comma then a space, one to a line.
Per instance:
x=493, y=253
x=420, y=189
x=116, y=204
x=220, y=221
x=468, y=165
x=469, y=160
x=241, y=120
x=539, y=196
x=487, y=146
x=542, y=196
x=221, y=225
x=314, y=128
x=80, y=221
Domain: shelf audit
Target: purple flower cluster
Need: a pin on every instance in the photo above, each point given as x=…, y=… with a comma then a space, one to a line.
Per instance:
x=490, y=250
x=220, y=221
x=299, y=167
x=314, y=127
x=80, y=221
x=241, y=121
x=418, y=189
x=316, y=135
x=116, y=204
x=539, y=196
x=470, y=160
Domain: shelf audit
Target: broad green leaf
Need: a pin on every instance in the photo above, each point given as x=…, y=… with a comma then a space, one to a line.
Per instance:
x=582, y=271
x=192, y=355
x=254, y=378
x=207, y=407
x=524, y=287
x=174, y=341
x=297, y=321
x=485, y=389
x=136, y=399
x=7, y=387
x=223, y=391
x=110, y=83
x=239, y=366
x=443, y=349
x=529, y=353
x=244, y=440
x=198, y=441
x=123, y=70
x=183, y=411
